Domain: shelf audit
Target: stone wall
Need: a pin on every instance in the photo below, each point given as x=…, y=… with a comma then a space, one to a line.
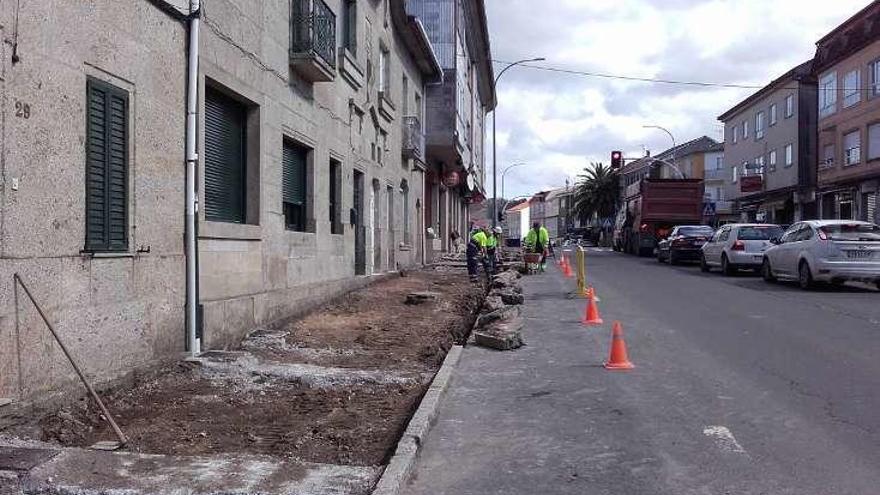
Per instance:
x=119, y=311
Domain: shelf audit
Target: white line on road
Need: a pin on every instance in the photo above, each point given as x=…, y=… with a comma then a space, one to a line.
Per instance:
x=724, y=438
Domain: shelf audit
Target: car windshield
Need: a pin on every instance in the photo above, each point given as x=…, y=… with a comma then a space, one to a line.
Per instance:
x=862, y=232
x=696, y=231
x=762, y=233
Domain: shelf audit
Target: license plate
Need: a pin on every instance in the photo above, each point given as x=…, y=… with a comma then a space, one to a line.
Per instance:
x=859, y=255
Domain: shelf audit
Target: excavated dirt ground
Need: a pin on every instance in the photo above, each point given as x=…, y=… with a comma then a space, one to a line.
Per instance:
x=336, y=387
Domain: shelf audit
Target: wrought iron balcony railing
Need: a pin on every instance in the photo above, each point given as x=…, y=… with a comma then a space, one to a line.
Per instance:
x=313, y=39
x=413, y=138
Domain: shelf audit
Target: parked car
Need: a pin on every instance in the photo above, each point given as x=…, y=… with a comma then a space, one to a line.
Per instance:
x=683, y=243
x=834, y=251
x=739, y=246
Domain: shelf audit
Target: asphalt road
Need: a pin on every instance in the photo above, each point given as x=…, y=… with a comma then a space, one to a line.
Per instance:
x=740, y=387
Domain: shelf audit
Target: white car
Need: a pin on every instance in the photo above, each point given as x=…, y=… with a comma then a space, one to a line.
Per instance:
x=834, y=251
x=738, y=246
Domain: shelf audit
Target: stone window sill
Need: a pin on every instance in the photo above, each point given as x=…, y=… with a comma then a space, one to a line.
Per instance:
x=222, y=230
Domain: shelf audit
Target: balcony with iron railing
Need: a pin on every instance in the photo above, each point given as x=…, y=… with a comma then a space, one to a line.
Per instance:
x=313, y=40
x=413, y=138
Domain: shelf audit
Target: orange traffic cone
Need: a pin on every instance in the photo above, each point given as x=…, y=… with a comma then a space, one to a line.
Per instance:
x=618, y=359
x=591, y=314
x=566, y=268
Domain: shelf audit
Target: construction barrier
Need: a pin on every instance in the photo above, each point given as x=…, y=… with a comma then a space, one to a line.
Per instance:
x=581, y=261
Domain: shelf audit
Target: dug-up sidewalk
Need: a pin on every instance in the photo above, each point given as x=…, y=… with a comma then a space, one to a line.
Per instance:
x=313, y=406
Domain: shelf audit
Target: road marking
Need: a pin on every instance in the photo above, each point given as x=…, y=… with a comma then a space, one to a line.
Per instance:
x=724, y=439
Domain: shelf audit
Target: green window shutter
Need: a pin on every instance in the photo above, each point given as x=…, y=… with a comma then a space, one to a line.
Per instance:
x=106, y=168
x=224, y=158
x=294, y=174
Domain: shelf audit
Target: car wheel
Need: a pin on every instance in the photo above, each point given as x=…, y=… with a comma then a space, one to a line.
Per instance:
x=704, y=266
x=726, y=268
x=659, y=256
x=767, y=271
x=805, y=276
x=673, y=259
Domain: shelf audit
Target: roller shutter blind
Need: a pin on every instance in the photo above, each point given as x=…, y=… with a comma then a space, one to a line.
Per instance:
x=225, y=136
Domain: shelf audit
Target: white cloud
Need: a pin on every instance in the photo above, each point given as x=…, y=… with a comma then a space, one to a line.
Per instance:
x=558, y=122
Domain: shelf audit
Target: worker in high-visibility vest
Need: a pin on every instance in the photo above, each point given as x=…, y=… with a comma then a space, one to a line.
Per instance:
x=492, y=243
x=476, y=248
x=538, y=241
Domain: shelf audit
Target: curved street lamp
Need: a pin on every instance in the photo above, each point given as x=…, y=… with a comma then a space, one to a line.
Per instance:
x=670, y=137
x=494, y=140
x=504, y=173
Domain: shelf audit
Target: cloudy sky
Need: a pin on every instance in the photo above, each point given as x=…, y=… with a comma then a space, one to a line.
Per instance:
x=557, y=123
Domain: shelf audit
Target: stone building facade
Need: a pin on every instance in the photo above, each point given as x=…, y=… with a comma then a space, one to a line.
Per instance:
x=318, y=97
x=311, y=173
x=92, y=154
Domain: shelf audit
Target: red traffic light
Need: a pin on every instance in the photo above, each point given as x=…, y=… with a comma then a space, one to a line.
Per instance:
x=616, y=159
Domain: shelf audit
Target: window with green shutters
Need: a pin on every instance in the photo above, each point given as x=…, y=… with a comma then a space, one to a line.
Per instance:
x=294, y=161
x=106, y=167
x=225, y=144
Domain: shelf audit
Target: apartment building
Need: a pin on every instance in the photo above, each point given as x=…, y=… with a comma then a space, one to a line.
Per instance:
x=456, y=113
x=770, y=150
x=311, y=171
x=92, y=147
x=847, y=65
x=313, y=168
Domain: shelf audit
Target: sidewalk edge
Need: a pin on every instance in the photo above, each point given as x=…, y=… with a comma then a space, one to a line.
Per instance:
x=400, y=467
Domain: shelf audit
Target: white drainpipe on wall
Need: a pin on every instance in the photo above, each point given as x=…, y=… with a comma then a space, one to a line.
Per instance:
x=192, y=157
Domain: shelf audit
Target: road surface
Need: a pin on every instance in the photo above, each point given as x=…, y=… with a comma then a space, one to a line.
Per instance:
x=740, y=387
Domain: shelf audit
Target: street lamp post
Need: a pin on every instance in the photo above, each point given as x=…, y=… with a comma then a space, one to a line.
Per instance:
x=494, y=140
x=504, y=173
x=667, y=132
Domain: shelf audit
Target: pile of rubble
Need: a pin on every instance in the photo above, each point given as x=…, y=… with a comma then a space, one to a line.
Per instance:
x=499, y=324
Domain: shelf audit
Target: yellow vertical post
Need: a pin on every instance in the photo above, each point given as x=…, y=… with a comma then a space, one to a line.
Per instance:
x=581, y=272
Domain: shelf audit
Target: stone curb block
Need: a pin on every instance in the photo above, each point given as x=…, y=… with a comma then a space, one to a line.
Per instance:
x=400, y=467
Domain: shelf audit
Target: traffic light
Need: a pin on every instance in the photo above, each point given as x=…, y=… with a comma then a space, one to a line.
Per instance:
x=616, y=159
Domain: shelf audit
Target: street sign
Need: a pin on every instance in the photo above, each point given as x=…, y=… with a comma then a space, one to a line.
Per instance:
x=709, y=209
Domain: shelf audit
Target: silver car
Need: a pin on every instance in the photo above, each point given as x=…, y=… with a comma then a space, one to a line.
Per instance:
x=738, y=246
x=834, y=251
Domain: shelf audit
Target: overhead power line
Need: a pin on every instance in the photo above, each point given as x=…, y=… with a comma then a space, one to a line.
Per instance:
x=678, y=82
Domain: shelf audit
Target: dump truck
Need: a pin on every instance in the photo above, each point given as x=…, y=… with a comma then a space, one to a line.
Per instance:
x=651, y=207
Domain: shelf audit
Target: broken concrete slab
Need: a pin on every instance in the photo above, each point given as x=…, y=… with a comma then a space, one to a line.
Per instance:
x=91, y=472
x=499, y=338
x=492, y=303
x=415, y=298
x=503, y=314
x=512, y=298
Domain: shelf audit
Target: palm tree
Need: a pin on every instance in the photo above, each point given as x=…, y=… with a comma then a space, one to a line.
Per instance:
x=597, y=192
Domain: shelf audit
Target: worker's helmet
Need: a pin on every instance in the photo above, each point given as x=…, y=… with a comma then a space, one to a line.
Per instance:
x=497, y=230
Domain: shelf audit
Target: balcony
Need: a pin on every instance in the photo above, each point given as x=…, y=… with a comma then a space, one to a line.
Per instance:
x=413, y=139
x=717, y=174
x=313, y=40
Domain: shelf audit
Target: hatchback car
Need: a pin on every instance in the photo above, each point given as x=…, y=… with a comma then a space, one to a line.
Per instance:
x=683, y=243
x=738, y=246
x=834, y=251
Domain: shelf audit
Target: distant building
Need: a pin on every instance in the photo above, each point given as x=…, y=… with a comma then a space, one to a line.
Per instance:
x=770, y=150
x=455, y=112
x=847, y=67
x=517, y=220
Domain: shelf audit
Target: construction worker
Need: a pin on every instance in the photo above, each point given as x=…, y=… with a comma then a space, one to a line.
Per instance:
x=538, y=241
x=476, y=247
x=492, y=244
